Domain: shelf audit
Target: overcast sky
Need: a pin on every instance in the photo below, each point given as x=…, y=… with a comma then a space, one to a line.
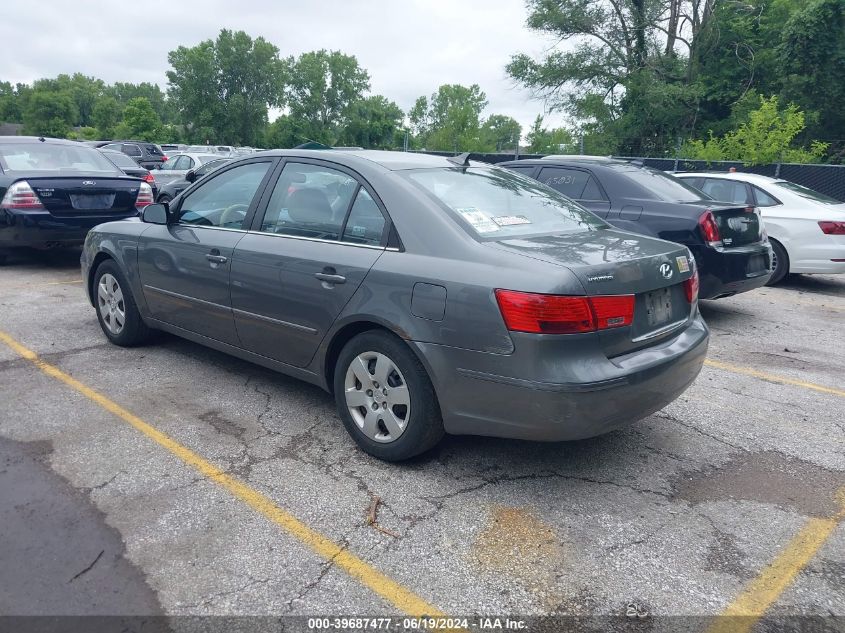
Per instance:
x=409, y=47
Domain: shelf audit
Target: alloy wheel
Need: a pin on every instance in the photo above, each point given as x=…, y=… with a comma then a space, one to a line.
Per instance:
x=110, y=302
x=377, y=396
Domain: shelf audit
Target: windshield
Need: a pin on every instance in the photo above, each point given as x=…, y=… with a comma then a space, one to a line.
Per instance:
x=51, y=157
x=663, y=186
x=805, y=192
x=500, y=204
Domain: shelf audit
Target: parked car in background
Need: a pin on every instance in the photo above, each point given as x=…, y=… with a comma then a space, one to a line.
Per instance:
x=180, y=164
x=806, y=228
x=224, y=150
x=727, y=240
x=173, y=147
x=53, y=191
x=148, y=155
x=131, y=168
x=441, y=296
x=175, y=187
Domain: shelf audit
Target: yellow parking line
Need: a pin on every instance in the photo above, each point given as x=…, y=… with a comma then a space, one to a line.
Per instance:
x=748, y=371
x=404, y=599
x=748, y=607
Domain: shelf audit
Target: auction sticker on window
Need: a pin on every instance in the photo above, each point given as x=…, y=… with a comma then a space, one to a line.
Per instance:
x=511, y=220
x=479, y=220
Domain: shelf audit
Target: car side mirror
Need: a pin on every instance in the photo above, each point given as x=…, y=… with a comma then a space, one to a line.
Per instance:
x=154, y=214
x=191, y=176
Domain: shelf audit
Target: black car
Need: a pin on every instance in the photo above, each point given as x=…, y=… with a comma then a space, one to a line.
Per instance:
x=53, y=191
x=146, y=154
x=131, y=168
x=728, y=241
x=173, y=188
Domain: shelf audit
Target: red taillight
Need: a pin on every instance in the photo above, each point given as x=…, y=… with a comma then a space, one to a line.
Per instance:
x=556, y=314
x=145, y=196
x=148, y=177
x=20, y=196
x=691, y=287
x=832, y=228
x=163, y=158
x=710, y=229
x=613, y=310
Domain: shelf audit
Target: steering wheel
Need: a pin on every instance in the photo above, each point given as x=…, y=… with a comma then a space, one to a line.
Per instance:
x=233, y=214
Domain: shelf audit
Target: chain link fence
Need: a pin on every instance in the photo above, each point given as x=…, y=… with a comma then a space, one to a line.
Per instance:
x=826, y=179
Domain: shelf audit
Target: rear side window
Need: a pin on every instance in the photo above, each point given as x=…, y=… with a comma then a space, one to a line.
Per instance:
x=365, y=224
x=48, y=157
x=130, y=149
x=723, y=190
x=764, y=199
x=522, y=169
x=592, y=191
x=309, y=201
x=570, y=182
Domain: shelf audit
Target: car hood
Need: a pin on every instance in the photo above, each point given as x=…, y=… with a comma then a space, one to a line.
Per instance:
x=607, y=261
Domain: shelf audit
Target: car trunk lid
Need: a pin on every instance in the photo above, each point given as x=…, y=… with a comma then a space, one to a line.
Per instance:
x=83, y=195
x=610, y=262
x=738, y=225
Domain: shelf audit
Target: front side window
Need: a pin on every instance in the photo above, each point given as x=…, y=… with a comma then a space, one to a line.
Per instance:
x=723, y=190
x=224, y=200
x=49, y=157
x=496, y=203
x=309, y=201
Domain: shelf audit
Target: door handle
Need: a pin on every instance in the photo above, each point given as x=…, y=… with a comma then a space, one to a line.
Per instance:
x=330, y=279
x=217, y=259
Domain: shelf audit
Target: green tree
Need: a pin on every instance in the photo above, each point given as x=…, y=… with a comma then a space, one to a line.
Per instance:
x=140, y=121
x=49, y=113
x=451, y=119
x=226, y=86
x=123, y=92
x=84, y=91
x=10, y=104
x=545, y=141
x=372, y=123
x=106, y=115
x=322, y=87
x=766, y=137
x=500, y=132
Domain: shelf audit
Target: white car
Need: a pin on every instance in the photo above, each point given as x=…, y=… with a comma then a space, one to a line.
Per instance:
x=180, y=164
x=806, y=228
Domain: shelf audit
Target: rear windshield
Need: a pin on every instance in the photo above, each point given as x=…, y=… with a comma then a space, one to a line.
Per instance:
x=47, y=157
x=154, y=149
x=121, y=160
x=500, y=204
x=807, y=193
x=662, y=186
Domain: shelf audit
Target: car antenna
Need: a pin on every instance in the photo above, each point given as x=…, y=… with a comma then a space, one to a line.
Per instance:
x=461, y=160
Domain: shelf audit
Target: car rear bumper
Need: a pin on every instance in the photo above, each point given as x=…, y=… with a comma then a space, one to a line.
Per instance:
x=726, y=272
x=489, y=394
x=39, y=229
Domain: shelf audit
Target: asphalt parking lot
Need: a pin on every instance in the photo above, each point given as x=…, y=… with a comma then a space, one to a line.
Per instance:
x=174, y=479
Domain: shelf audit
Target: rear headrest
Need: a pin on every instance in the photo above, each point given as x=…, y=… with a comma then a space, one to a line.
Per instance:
x=309, y=205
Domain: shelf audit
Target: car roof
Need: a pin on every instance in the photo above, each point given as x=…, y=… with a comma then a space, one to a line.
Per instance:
x=390, y=160
x=731, y=175
x=39, y=139
x=573, y=160
x=195, y=154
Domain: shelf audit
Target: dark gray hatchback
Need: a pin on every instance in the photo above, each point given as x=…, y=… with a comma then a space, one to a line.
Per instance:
x=428, y=294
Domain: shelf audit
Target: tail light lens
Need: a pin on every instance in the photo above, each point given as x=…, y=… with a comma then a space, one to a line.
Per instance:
x=163, y=158
x=710, y=229
x=148, y=177
x=20, y=196
x=145, y=196
x=832, y=228
x=691, y=287
x=556, y=314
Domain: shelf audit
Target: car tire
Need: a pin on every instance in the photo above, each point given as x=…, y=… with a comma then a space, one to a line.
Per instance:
x=780, y=263
x=117, y=311
x=375, y=414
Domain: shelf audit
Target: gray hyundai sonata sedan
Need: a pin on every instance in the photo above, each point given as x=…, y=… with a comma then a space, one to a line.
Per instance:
x=430, y=295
